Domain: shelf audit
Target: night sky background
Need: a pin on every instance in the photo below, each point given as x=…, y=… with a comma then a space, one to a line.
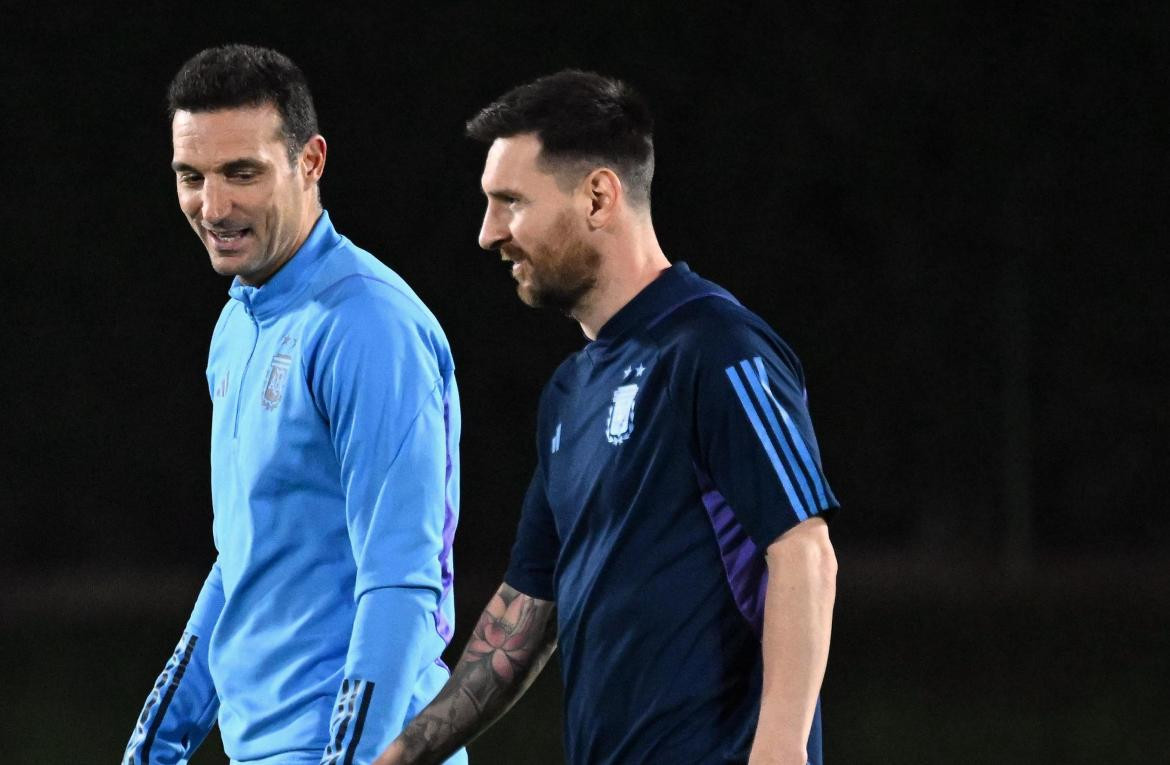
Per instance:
x=956, y=216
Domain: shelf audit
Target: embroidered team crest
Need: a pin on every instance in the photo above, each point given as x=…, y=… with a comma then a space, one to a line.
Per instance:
x=278, y=374
x=621, y=414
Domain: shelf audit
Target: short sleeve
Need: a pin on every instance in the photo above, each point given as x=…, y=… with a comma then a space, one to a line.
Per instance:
x=754, y=435
x=534, y=555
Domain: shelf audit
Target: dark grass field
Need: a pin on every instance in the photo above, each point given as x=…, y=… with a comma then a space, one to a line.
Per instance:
x=930, y=664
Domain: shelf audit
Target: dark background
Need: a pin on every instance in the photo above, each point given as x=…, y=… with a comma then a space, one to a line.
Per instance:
x=956, y=215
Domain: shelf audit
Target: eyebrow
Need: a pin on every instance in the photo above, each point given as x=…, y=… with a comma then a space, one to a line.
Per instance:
x=237, y=165
x=233, y=166
x=502, y=194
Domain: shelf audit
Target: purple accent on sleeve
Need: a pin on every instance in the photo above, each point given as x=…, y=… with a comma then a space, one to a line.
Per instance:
x=743, y=563
x=450, y=519
x=686, y=300
x=443, y=626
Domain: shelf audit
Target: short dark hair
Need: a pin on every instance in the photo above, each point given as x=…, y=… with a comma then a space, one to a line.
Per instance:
x=581, y=118
x=234, y=76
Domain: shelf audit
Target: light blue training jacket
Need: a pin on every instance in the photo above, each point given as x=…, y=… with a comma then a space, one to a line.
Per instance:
x=335, y=481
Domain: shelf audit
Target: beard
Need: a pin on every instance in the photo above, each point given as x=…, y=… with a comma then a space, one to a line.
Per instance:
x=560, y=271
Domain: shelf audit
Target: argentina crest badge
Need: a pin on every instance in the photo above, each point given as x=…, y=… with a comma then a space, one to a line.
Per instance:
x=621, y=414
x=278, y=374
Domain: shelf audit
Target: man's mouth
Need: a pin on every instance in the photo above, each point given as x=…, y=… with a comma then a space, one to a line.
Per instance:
x=515, y=259
x=227, y=239
x=515, y=265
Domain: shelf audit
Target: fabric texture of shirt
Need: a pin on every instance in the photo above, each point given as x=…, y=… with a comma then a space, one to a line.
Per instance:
x=335, y=482
x=673, y=450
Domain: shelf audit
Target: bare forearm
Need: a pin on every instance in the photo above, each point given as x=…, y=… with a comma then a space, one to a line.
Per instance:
x=511, y=643
x=798, y=618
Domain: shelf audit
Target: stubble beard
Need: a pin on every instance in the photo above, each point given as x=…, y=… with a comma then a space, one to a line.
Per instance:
x=566, y=273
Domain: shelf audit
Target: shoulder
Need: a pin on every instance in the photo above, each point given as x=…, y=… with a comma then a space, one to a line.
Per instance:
x=354, y=280
x=714, y=332
x=356, y=291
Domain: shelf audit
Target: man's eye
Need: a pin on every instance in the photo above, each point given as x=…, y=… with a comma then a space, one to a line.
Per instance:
x=187, y=179
x=243, y=175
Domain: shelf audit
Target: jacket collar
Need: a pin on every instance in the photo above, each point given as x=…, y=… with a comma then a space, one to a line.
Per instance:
x=655, y=298
x=286, y=284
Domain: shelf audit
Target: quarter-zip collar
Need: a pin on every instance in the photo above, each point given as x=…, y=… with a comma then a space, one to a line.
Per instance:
x=287, y=283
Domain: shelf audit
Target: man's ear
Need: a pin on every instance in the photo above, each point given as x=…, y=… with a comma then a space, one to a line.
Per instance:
x=312, y=160
x=605, y=193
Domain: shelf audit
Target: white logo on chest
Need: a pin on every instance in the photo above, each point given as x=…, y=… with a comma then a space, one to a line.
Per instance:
x=278, y=374
x=621, y=414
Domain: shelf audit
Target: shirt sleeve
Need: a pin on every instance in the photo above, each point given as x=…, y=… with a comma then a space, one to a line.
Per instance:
x=384, y=381
x=534, y=554
x=755, y=438
x=182, y=706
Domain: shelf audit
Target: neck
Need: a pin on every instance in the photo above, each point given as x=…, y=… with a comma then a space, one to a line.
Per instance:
x=625, y=271
x=310, y=220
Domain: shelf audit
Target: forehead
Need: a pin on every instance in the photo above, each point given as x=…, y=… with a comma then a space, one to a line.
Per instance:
x=244, y=132
x=513, y=163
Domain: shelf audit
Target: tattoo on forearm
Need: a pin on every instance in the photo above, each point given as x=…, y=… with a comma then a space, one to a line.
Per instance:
x=513, y=640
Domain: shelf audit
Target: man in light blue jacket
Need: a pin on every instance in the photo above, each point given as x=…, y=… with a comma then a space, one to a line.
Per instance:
x=334, y=461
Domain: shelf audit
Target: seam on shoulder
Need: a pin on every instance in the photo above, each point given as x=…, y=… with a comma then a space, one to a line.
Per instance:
x=367, y=277
x=689, y=299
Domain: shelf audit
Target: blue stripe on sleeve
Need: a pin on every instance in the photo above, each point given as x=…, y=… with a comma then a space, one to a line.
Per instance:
x=750, y=410
x=810, y=465
x=813, y=469
x=789, y=458
x=762, y=372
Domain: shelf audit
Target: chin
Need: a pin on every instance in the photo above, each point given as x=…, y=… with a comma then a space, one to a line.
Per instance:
x=227, y=266
x=527, y=297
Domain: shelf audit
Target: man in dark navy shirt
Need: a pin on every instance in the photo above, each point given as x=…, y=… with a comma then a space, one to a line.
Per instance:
x=673, y=539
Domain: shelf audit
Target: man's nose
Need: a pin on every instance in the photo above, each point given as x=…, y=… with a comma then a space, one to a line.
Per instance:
x=217, y=203
x=493, y=232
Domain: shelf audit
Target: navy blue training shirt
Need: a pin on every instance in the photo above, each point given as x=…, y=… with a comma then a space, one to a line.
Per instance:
x=673, y=450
